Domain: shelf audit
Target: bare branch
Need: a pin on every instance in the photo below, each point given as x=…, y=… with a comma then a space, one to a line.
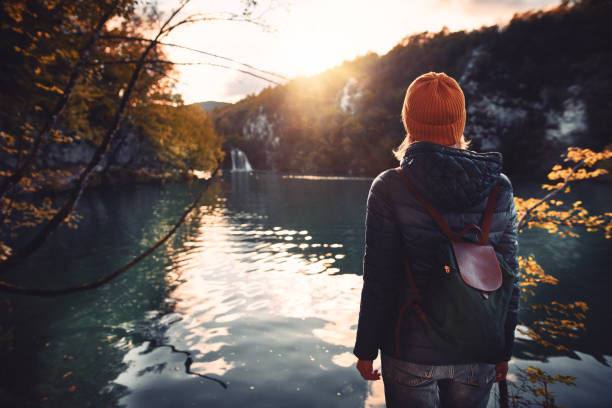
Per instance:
x=196, y=18
x=231, y=68
x=169, y=19
x=127, y=38
x=10, y=288
x=160, y=61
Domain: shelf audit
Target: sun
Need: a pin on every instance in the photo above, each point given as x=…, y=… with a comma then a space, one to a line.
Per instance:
x=308, y=55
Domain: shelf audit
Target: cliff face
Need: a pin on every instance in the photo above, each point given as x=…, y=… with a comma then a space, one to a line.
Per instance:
x=533, y=87
x=161, y=142
x=264, y=129
x=131, y=158
x=129, y=150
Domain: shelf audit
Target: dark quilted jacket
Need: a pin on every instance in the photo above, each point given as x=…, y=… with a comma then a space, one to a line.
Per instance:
x=458, y=183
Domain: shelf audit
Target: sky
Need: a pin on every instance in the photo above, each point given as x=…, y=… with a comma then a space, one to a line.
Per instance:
x=305, y=37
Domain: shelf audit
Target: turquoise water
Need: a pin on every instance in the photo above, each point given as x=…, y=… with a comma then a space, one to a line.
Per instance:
x=253, y=303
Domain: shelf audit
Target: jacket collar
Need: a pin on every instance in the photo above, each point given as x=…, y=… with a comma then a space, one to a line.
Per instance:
x=451, y=178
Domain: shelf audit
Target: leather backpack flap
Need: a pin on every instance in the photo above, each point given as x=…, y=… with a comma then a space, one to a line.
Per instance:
x=477, y=263
x=478, y=266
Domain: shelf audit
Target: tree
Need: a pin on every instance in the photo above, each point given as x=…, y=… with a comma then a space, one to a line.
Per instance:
x=84, y=67
x=184, y=135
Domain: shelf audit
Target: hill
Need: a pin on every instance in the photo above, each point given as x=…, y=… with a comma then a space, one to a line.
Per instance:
x=532, y=87
x=209, y=106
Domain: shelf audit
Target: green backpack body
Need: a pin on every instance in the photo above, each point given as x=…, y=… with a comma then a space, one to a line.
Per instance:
x=463, y=309
x=460, y=320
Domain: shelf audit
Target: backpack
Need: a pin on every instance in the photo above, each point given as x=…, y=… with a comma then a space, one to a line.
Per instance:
x=463, y=309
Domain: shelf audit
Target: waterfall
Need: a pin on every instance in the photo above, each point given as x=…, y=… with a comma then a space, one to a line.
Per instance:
x=240, y=162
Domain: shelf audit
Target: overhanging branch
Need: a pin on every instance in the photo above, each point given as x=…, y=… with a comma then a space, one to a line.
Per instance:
x=210, y=54
x=168, y=62
x=10, y=288
x=524, y=218
x=200, y=17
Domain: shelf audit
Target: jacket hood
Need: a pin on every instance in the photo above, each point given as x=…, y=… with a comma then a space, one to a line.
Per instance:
x=451, y=178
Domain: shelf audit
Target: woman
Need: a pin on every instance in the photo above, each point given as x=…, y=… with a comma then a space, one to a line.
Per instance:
x=457, y=181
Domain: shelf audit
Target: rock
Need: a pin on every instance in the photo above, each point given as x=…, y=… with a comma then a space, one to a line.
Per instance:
x=130, y=159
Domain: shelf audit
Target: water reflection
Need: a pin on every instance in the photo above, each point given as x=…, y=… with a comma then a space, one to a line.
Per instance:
x=261, y=306
x=269, y=296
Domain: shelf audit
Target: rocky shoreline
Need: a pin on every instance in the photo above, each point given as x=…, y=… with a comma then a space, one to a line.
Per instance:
x=65, y=179
x=130, y=159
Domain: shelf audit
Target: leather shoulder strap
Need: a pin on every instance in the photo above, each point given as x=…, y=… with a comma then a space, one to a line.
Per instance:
x=487, y=218
x=431, y=209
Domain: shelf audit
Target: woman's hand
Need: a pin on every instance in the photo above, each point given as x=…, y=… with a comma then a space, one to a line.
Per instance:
x=366, y=369
x=501, y=369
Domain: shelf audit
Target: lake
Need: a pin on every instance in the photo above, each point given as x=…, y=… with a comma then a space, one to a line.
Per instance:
x=253, y=303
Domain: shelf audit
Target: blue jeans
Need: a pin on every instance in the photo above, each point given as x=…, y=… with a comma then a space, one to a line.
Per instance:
x=432, y=386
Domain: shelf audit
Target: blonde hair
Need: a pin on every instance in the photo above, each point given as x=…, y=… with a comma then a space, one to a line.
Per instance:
x=400, y=150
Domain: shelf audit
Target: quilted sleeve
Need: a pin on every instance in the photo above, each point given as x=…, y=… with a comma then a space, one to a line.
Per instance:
x=381, y=265
x=508, y=247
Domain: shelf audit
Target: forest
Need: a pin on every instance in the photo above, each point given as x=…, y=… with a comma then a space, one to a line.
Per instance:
x=533, y=87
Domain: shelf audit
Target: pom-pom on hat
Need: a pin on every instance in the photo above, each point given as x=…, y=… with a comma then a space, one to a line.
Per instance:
x=434, y=109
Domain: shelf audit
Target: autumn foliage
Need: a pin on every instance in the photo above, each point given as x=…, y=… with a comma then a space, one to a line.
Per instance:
x=66, y=68
x=557, y=322
x=557, y=217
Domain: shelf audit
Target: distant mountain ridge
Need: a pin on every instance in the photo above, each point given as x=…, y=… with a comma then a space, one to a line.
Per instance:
x=533, y=87
x=209, y=106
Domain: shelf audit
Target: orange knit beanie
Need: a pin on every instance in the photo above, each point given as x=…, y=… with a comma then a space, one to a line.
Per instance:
x=434, y=109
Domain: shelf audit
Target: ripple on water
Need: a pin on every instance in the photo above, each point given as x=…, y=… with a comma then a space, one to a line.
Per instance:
x=260, y=306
